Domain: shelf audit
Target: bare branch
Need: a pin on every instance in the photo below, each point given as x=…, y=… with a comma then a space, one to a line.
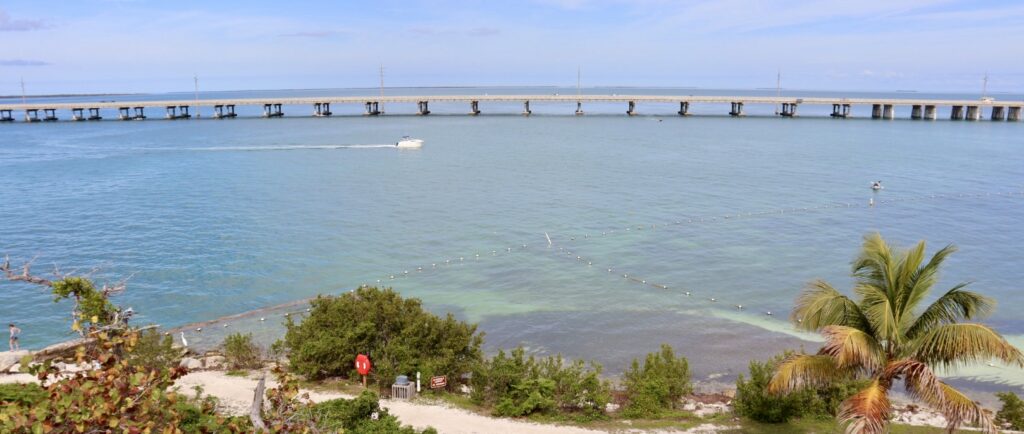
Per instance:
x=25, y=276
x=256, y=412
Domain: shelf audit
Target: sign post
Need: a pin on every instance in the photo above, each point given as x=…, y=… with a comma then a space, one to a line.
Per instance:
x=363, y=366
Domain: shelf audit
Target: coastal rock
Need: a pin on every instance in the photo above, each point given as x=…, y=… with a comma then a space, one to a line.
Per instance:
x=16, y=369
x=689, y=406
x=214, y=362
x=11, y=358
x=191, y=364
x=611, y=407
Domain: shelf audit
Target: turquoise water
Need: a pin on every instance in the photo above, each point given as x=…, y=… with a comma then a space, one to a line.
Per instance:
x=212, y=218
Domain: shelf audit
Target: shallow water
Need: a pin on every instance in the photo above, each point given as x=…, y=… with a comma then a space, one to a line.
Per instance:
x=212, y=218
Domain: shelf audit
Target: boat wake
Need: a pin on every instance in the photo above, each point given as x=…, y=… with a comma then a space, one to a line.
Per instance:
x=272, y=148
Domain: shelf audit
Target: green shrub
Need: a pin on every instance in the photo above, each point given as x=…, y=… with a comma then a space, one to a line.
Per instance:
x=241, y=353
x=517, y=385
x=154, y=351
x=355, y=416
x=21, y=394
x=398, y=334
x=658, y=385
x=1012, y=413
x=753, y=400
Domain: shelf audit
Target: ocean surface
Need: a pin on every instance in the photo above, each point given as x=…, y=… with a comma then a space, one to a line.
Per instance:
x=212, y=218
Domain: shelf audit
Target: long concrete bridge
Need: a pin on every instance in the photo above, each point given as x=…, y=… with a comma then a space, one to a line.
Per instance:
x=321, y=106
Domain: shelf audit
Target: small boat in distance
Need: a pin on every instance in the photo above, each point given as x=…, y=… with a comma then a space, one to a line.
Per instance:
x=407, y=142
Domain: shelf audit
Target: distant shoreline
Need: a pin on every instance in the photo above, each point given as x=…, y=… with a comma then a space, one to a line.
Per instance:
x=66, y=95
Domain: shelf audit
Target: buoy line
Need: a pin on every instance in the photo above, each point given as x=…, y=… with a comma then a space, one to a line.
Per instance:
x=553, y=243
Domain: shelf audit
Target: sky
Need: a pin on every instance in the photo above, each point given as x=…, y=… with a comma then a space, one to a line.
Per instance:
x=96, y=46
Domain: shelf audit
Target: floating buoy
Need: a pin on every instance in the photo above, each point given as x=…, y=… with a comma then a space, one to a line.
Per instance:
x=262, y=319
x=739, y=306
x=769, y=313
x=713, y=300
x=687, y=293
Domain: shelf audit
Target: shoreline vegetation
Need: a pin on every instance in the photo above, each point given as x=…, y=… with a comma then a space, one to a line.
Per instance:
x=125, y=378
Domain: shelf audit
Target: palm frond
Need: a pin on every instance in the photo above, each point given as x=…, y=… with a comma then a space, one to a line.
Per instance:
x=820, y=305
x=879, y=310
x=952, y=345
x=958, y=408
x=919, y=379
x=803, y=370
x=954, y=306
x=920, y=282
x=867, y=411
x=875, y=265
x=851, y=348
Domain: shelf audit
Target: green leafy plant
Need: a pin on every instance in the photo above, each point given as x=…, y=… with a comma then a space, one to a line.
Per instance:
x=357, y=416
x=517, y=385
x=658, y=385
x=92, y=306
x=154, y=351
x=1011, y=415
x=398, y=334
x=241, y=352
x=21, y=394
x=886, y=336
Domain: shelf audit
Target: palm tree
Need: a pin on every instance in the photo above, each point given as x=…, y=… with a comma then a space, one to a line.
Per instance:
x=885, y=337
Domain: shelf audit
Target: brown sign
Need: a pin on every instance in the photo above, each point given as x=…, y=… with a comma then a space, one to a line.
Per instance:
x=438, y=382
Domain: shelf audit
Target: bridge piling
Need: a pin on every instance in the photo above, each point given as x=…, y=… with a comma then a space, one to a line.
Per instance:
x=322, y=109
x=998, y=113
x=77, y=114
x=526, y=108
x=579, y=108
x=49, y=115
x=6, y=115
x=840, y=111
x=915, y=112
x=474, y=108
x=632, y=108
x=32, y=115
x=372, y=109
x=957, y=113
x=424, y=108
x=888, y=112
x=737, y=109
x=124, y=113
x=1013, y=115
x=973, y=114
x=272, y=111
x=788, y=109
x=684, y=108
x=140, y=114
x=94, y=114
x=876, y=111
x=930, y=113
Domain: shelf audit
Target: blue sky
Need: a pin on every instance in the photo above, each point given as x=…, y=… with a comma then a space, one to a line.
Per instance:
x=153, y=46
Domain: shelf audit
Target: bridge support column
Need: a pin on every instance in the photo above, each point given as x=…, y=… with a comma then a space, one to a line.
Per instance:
x=140, y=114
x=49, y=114
x=94, y=114
x=171, y=112
x=183, y=112
x=322, y=109
x=231, y=111
x=888, y=112
x=424, y=108
x=32, y=115
x=526, y=108
x=6, y=115
x=788, y=109
x=474, y=108
x=372, y=108
x=915, y=111
x=957, y=113
x=840, y=111
x=1013, y=114
x=124, y=113
x=684, y=108
x=579, y=108
x=77, y=114
x=998, y=113
x=218, y=111
x=973, y=113
x=272, y=111
x=737, y=109
x=930, y=113
x=632, y=108
x=876, y=111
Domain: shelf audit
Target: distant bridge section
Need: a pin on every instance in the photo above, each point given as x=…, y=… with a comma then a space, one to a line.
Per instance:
x=321, y=106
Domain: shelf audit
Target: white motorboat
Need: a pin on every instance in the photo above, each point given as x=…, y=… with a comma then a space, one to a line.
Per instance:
x=409, y=143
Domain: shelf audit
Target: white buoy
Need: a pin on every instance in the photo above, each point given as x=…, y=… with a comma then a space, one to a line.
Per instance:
x=713, y=300
x=687, y=293
x=769, y=313
x=262, y=319
x=739, y=306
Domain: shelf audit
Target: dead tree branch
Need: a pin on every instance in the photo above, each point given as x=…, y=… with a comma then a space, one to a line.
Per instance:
x=256, y=412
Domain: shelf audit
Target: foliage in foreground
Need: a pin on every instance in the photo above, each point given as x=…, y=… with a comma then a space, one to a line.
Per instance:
x=357, y=416
x=754, y=402
x=241, y=352
x=658, y=385
x=517, y=385
x=885, y=336
x=154, y=351
x=1012, y=413
x=398, y=334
